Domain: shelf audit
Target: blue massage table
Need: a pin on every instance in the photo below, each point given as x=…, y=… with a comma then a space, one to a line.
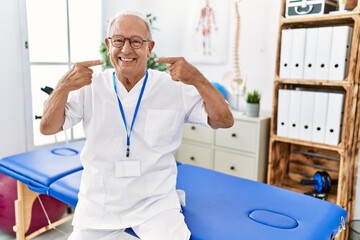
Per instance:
x=218, y=206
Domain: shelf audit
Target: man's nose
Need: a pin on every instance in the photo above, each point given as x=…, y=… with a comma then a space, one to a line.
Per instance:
x=127, y=46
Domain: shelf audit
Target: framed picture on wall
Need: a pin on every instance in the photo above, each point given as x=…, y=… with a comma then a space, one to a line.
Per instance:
x=207, y=34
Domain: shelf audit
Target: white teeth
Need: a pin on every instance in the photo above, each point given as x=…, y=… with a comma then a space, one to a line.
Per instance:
x=127, y=59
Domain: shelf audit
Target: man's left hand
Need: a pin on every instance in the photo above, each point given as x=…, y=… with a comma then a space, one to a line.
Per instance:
x=181, y=70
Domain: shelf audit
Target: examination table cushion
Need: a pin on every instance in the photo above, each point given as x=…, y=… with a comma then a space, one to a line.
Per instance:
x=220, y=206
x=41, y=167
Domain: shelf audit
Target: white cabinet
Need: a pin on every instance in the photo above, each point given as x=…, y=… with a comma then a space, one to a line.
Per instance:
x=194, y=154
x=240, y=151
x=242, y=136
x=237, y=164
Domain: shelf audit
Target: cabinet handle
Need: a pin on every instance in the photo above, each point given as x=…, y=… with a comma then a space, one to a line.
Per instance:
x=193, y=127
x=233, y=135
x=232, y=168
x=192, y=158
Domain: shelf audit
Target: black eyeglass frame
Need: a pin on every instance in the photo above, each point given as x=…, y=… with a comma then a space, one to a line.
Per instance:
x=131, y=44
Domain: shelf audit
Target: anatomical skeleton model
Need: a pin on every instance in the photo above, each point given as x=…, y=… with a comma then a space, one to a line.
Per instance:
x=235, y=80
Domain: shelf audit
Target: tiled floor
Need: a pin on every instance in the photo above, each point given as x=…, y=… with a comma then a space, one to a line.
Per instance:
x=61, y=233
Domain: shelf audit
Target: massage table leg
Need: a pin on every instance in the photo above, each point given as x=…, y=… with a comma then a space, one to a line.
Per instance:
x=49, y=227
x=23, y=207
x=23, y=211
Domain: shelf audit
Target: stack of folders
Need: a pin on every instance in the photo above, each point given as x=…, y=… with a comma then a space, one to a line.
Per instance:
x=314, y=116
x=315, y=53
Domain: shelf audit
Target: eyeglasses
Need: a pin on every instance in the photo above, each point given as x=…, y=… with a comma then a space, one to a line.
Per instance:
x=136, y=42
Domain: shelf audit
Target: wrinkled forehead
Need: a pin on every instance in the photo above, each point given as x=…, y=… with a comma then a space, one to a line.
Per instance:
x=129, y=25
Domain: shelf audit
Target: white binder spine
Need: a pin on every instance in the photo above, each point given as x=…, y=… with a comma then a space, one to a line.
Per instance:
x=319, y=121
x=341, y=40
x=298, y=53
x=323, y=53
x=283, y=113
x=310, y=53
x=334, y=118
x=307, y=115
x=285, y=53
x=348, y=48
x=294, y=114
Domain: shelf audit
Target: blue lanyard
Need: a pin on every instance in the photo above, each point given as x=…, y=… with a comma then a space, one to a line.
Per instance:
x=128, y=131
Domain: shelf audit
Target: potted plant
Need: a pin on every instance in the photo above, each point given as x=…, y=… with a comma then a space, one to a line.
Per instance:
x=253, y=103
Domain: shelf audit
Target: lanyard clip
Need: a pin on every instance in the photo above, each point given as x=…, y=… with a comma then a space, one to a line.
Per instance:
x=128, y=151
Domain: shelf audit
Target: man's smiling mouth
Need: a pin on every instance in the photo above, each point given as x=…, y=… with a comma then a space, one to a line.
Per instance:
x=127, y=59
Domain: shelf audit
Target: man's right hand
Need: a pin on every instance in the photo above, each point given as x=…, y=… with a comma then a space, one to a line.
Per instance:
x=79, y=75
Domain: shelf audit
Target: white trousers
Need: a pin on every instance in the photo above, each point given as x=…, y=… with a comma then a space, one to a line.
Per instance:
x=167, y=225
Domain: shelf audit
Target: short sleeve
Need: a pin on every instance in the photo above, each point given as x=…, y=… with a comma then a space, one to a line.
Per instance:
x=74, y=109
x=194, y=105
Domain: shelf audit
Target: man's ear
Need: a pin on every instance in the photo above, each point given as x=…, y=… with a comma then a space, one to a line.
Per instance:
x=150, y=47
x=107, y=43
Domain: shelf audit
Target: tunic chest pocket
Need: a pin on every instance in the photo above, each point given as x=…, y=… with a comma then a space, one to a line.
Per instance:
x=161, y=126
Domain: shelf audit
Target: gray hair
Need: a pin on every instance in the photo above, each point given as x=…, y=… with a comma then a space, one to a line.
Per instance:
x=134, y=14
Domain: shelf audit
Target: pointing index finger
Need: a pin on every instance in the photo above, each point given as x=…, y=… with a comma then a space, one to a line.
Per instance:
x=169, y=60
x=91, y=63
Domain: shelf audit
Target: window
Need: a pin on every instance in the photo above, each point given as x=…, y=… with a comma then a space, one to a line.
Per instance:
x=59, y=33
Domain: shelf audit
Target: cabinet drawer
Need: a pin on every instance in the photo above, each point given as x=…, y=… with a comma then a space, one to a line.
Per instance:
x=195, y=155
x=198, y=133
x=235, y=164
x=242, y=136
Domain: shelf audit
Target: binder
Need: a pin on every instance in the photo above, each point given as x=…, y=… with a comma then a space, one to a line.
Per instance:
x=323, y=53
x=283, y=113
x=294, y=114
x=285, y=53
x=310, y=53
x=320, y=114
x=348, y=50
x=307, y=115
x=334, y=118
x=297, y=53
x=340, y=50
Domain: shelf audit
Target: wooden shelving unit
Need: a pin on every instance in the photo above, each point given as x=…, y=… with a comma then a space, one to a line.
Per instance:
x=291, y=160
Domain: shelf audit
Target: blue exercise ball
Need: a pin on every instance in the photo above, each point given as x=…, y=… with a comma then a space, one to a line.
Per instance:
x=221, y=89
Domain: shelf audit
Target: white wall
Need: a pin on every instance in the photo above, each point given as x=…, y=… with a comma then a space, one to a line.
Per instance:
x=12, y=108
x=258, y=37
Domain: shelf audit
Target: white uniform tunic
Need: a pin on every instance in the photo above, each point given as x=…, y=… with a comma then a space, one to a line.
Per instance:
x=110, y=201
